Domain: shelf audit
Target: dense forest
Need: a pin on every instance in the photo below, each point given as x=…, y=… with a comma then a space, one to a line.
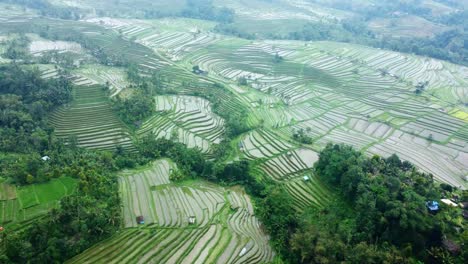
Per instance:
x=25, y=99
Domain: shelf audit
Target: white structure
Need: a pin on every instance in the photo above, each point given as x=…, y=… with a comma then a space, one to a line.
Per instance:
x=448, y=202
x=243, y=251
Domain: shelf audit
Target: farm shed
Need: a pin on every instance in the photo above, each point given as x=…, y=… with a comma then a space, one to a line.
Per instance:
x=449, y=202
x=306, y=178
x=140, y=220
x=45, y=158
x=192, y=220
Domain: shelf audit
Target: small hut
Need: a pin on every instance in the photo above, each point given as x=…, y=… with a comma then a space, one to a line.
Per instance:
x=306, y=178
x=192, y=220
x=449, y=202
x=241, y=146
x=140, y=220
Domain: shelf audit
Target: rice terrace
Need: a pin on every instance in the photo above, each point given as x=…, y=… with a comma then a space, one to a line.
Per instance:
x=209, y=131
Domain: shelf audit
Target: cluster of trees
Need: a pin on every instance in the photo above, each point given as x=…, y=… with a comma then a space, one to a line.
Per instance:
x=25, y=98
x=134, y=109
x=204, y=9
x=18, y=48
x=383, y=221
x=301, y=136
x=234, y=30
x=65, y=60
x=47, y=9
x=200, y=9
x=192, y=163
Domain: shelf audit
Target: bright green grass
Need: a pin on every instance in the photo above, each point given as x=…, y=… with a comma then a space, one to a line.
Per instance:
x=50, y=191
x=27, y=197
x=35, y=200
x=36, y=194
x=69, y=184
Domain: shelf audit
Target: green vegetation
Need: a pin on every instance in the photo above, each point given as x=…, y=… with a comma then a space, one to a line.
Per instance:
x=385, y=218
x=92, y=212
x=47, y=9
x=135, y=109
x=302, y=137
x=29, y=202
x=204, y=9
x=211, y=140
x=25, y=99
x=444, y=44
x=17, y=48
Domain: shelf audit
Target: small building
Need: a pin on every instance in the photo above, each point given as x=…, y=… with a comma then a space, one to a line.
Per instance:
x=432, y=206
x=306, y=178
x=243, y=251
x=1, y=228
x=140, y=220
x=465, y=214
x=192, y=220
x=449, y=202
x=241, y=146
x=45, y=158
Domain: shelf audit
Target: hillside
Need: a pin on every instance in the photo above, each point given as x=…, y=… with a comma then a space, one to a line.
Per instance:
x=138, y=131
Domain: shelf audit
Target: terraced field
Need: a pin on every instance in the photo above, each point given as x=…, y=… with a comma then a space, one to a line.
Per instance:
x=191, y=35
x=282, y=10
x=90, y=119
x=225, y=230
x=38, y=47
x=187, y=119
x=335, y=92
x=114, y=77
x=355, y=95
